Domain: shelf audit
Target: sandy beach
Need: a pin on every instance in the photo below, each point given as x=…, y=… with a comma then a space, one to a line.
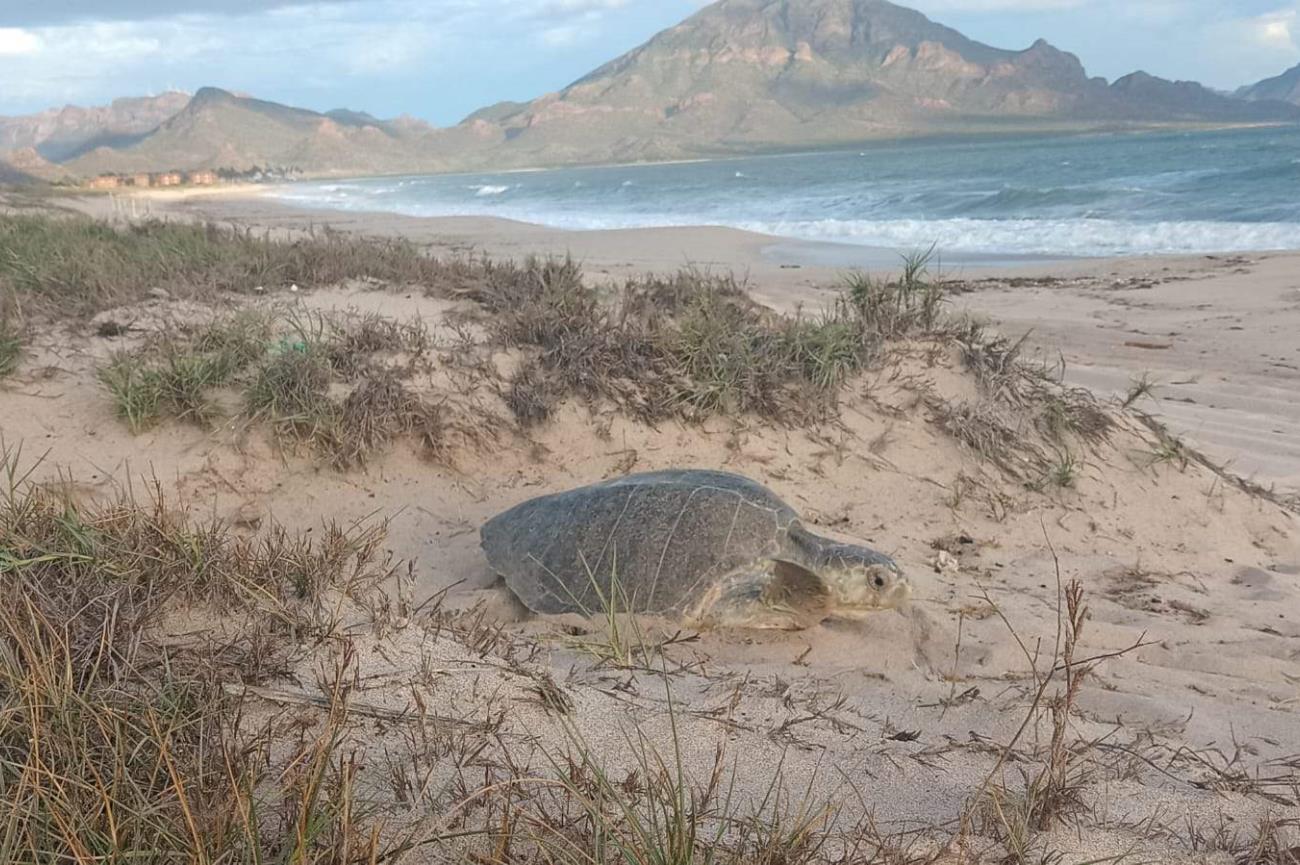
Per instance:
x=927, y=724
x=650, y=432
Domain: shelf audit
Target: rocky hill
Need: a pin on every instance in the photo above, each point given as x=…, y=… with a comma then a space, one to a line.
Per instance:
x=28, y=166
x=753, y=74
x=1284, y=88
x=218, y=129
x=64, y=133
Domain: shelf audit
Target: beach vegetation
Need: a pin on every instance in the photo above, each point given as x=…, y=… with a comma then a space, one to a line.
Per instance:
x=11, y=347
x=122, y=743
x=71, y=264
x=688, y=345
x=1140, y=389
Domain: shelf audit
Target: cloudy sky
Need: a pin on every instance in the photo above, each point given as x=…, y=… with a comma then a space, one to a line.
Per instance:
x=441, y=59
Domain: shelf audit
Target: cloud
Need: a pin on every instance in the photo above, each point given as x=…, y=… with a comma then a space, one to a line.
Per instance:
x=1002, y=5
x=1277, y=30
x=15, y=42
x=559, y=37
x=1256, y=46
x=435, y=58
x=574, y=8
x=46, y=13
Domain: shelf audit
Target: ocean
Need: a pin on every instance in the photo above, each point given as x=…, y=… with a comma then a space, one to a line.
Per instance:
x=1096, y=195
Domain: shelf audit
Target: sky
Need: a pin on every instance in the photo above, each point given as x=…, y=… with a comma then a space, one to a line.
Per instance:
x=442, y=59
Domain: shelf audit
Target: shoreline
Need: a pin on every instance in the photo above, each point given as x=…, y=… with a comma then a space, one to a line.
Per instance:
x=987, y=134
x=253, y=204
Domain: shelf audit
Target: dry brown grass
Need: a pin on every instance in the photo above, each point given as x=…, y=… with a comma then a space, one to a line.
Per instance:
x=691, y=345
x=122, y=742
x=70, y=264
x=1061, y=415
x=291, y=368
x=124, y=739
x=11, y=346
x=1016, y=814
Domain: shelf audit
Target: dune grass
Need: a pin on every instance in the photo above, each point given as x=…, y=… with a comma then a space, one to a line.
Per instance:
x=288, y=368
x=174, y=374
x=693, y=345
x=11, y=347
x=120, y=742
x=72, y=264
x=689, y=345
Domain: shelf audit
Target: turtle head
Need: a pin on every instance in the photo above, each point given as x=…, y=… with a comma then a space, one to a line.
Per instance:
x=858, y=580
x=857, y=588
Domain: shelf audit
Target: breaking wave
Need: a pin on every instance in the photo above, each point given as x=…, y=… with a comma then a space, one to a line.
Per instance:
x=1073, y=237
x=1182, y=193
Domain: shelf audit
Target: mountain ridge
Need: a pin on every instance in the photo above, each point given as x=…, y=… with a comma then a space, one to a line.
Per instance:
x=744, y=75
x=738, y=76
x=60, y=134
x=1283, y=88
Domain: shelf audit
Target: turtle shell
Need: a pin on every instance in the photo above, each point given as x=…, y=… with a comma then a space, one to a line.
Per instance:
x=647, y=543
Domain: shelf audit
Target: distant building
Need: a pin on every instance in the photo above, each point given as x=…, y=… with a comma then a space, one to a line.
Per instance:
x=171, y=178
x=201, y=178
x=141, y=180
x=106, y=181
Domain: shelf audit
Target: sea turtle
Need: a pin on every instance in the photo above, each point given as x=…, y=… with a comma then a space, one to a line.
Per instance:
x=715, y=548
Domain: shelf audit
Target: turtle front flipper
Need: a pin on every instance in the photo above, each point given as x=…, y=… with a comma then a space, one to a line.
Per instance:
x=775, y=596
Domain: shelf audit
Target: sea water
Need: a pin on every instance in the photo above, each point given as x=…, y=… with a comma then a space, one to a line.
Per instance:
x=1094, y=195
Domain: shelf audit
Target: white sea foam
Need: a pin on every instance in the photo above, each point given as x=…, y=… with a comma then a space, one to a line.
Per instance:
x=1113, y=196
x=1086, y=237
x=1072, y=237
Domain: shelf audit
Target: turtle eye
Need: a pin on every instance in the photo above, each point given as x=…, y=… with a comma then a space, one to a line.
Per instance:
x=879, y=581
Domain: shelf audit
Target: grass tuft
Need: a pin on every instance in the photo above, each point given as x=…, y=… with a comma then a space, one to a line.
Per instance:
x=334, y=381
x=71, y=263
x=691, y=345
x=11, y=347
x=1139, y=389
x=893, y=310
x=121, y=741
x=173, y=374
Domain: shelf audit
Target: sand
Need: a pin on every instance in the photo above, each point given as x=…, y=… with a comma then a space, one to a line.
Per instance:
x=1194, y=582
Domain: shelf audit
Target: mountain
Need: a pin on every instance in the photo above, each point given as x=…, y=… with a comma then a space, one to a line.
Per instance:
x=218, y=129
x=11, y=175
x=1283, y=88
x=742, y=75
x=28, y=166
x=739, y=76
x=64, y=133
x=1142, y=95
